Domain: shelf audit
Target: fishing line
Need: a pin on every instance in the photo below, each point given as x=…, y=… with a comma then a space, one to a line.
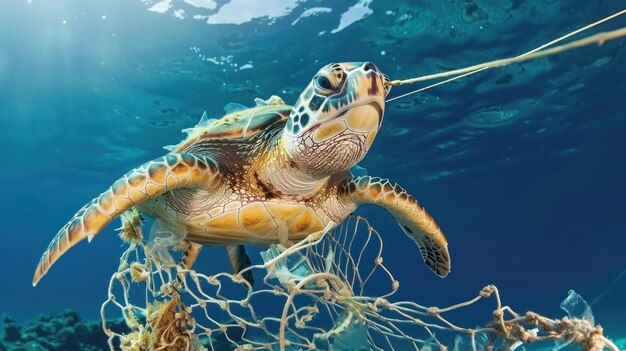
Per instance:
x=608, y=288
x=538, y=52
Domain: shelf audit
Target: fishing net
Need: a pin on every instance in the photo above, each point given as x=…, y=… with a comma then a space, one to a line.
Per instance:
x=331, y=291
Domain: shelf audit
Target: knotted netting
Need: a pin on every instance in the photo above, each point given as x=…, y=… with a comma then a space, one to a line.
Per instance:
x=330, y=291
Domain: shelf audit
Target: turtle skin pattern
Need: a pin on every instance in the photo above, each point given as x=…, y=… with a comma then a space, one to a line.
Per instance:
x=407, y=211
x=272, y=174
x=148, y=180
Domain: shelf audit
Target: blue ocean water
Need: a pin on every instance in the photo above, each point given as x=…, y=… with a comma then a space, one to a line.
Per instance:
x=523, y=167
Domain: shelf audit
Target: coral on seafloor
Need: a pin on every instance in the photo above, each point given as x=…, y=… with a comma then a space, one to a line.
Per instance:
x=61, y=331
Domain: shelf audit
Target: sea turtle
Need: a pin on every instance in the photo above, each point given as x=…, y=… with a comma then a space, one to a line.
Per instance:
x=271, y=174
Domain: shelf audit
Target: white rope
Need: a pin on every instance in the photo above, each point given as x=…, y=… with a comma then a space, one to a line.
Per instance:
x=530, y=55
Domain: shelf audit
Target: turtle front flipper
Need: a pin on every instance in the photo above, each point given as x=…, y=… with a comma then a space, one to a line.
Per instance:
x=149, y=180
x=410, y=215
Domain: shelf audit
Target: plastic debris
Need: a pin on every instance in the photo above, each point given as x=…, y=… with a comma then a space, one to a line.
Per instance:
x=348, y=333
x=577, y=307
x=344, y=305
x=463, y=342
x=163, y=237
x=260, y=102
x=233, y=107
x=272, y=100
x=292, y=268
x=205, y=121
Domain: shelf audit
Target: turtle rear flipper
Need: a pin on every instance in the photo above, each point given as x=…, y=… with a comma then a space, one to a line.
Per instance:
x=190, y=255
x=240, y=260
x=149, y=180
x=237, y=255
x=410, y=215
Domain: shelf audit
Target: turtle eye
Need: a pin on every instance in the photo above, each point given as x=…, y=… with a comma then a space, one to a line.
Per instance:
x=322, y=83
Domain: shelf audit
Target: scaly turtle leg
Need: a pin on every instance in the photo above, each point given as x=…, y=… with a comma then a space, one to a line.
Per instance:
x=192, y=251
x=410, y=215
x=191, y=254
x=240, y=260
x=149, y=180
x=236, y=254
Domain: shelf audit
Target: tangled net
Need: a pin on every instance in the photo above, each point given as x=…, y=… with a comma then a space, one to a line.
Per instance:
x=331, y=296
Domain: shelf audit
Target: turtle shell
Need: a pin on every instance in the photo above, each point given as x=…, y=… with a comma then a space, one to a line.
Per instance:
x=242, y=123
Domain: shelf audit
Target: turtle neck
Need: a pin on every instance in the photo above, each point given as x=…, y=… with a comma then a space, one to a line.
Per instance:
x=282, y=172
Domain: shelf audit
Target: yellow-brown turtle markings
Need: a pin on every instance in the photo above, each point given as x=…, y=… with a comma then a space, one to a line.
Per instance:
x=256, y=219
x=216, y=211
x=410, y=215
x=370, y=139
x=106, y=202
x=287, y=212
x=362, y=122
x=240, y=203
x=191, y=254
x=303, y=221
x=255, y=223
x=157, y=174
x=134, y=187
x=227, y=223
x=233, y=205
x=250, y=216
x=391, y=197
x=94, y=219
x=329, y=130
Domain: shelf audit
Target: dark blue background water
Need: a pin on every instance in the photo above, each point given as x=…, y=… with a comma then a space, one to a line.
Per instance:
x=523, y=167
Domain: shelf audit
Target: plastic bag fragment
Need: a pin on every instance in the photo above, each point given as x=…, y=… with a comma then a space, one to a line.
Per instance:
x=233, y=107
x=291, y=268
x=577, y=307
x=205, y=121
x=163, y=237
x=272, y=100
x=463, y=342
x=348, y=334
x=260, y=102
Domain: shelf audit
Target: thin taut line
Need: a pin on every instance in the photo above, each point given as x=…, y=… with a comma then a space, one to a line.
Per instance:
x=598, y=38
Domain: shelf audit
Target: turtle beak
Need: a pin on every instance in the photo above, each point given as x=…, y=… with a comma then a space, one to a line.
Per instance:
x=376, y=105
x=363, y=118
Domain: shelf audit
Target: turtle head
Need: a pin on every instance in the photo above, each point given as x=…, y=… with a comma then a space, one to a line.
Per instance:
x=336, y=118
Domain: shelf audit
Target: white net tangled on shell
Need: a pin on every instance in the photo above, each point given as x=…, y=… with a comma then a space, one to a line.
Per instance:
x=328, y=292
